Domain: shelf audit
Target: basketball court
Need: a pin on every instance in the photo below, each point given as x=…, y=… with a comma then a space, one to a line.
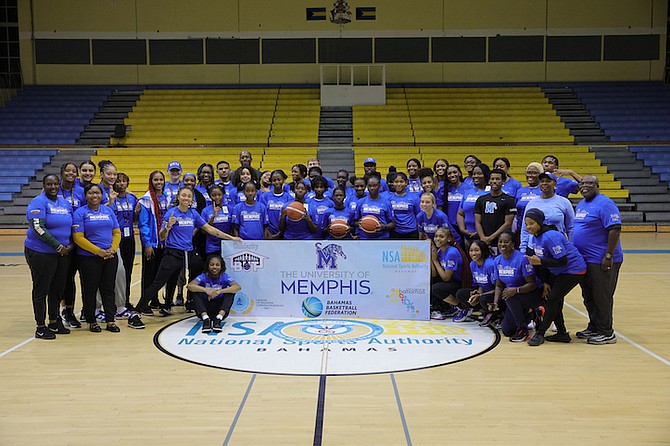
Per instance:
x=293, y=381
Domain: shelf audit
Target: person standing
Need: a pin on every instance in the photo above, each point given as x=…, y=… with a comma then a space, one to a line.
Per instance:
x=596, y=236
x=97, y=236
x=47, y=250
x=495, y=211
x=124, y=207
x=173, y=182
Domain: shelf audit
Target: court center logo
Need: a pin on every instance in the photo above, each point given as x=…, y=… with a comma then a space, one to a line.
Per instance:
x=328, y=346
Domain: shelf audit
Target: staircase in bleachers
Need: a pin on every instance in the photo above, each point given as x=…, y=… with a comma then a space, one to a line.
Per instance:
x=49, y=115
x=574, y=115
x=629, y=111
x=106, y=121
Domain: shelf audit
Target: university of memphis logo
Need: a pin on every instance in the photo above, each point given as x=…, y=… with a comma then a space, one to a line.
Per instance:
x=326, y=257
x=328, y=346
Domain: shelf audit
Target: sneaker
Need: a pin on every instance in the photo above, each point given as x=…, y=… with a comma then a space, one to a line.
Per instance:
x=437, y=315
x=124, y=314
x=58, y=327
x=130, y=307
x=559, y=337
x=44, y=333
x=452, y=311
x=216, y=325
x=69, y=319
x=165, y=311
x=135, y=321
x=100, y=316
x=521, y=335
x=154, y=304
x=147, y=312
x=537, y=339
x=586, y=334
x=82, y=317
x=206, y=325
x=463, y=315
x=189, y=306
x=602, y=339
x=489, y=318
x=179, y=301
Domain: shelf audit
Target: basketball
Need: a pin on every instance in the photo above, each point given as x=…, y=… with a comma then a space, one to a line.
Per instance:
x=370, y=224
x=312, y=307
x=295, y=211
x=339, y=229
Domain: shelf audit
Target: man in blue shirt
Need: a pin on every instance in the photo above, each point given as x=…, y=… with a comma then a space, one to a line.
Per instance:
x=596, y=236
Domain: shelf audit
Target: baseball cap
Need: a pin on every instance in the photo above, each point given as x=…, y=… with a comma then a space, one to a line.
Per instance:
x=370, y=161
x=174, y=165
x=550, y=176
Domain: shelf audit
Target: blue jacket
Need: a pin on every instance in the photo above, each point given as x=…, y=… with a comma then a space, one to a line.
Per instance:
x=146, y=222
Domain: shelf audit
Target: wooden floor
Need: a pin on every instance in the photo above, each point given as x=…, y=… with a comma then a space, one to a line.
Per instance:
x=86, y=388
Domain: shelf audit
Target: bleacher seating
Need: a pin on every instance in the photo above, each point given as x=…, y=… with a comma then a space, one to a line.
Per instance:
x=20, y=167
x=49, y=115
x=296, y=119
x=285, y=157
x=629, y=111
x=655, y=157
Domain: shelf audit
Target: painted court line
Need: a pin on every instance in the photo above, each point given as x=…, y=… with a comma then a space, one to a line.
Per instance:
x=400, y=411
x=625, y=338
x=320, y=407
x=239, y=410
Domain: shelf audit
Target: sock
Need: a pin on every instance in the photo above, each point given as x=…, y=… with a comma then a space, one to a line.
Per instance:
x=205, y=317
x=219, y=317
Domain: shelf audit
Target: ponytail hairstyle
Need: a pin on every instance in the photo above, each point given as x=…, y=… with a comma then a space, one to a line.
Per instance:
x=466, y=274
x=154, y=198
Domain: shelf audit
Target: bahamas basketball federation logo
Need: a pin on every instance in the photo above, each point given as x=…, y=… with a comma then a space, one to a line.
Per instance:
x=312, y=307
x=326, y=257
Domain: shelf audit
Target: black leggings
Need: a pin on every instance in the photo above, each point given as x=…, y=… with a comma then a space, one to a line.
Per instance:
x=171, y=264
x=127, y=250
x=553, y=305
x=213, y=307
x=49, y=273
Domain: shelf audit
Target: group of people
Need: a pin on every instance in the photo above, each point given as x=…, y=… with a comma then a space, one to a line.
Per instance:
x=509, y=251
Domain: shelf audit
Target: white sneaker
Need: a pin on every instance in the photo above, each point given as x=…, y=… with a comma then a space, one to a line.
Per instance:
x=437, y=315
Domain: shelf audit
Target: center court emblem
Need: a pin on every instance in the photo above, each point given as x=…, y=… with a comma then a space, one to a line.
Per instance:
x=290, y=346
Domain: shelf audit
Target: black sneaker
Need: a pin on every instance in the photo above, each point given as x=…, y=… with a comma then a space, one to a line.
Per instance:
x=147, y=312
x=537, y=339
x=559, y=337
x=58, y=327
x=521, y=335
x=154, y=304
x=489, y=318
x=69, y=319
x=82, y=317
x=44, y=333
x=135, y=321
x=216, y=325
x=206, y=325
x=180, y=300
x=189, y=306
x=586, y=334
x=165, y=311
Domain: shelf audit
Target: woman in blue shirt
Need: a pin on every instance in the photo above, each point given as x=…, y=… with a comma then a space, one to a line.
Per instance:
x=405, y=206
x=526, y=194
x=177, y=229
x=517, y=291
x=430, y=218
x=319, y=203
x=448, y=269
x=304, y=228
x=213, y=293
x=124, y=207
x=454, y=193
x=275, y=200
x=250, y=219
x=97, y=236
x=338, y=214
x=219, y=215
x=510, y=186
x=47, y=251
x=480, y=293
x=466, y=211
x=561, y=267
x=375, y=205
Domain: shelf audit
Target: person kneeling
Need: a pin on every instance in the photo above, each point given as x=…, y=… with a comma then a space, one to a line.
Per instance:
x=213, y=293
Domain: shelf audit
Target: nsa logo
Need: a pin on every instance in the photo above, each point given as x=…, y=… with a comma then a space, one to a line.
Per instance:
x=326, y=257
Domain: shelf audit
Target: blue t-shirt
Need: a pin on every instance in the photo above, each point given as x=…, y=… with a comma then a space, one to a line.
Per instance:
x=273, y=205
x=218, y=283
x=97, y=226
x=439, y=194
x=522, y=197
x=222, y=221
x=75, y=196
x=552, y=244
x=250, y=220
x=451, y=260
x=512, y=271
x=511, y=186
x=484, y=276
x=381, y=209
x=468, y=206
x=352, y=201
x=593, y=219
x=171, y=189
x=333, y=215
x=557, y=211
x=566, y=186
x=430, y=225
x=454, y=198
x=181, y=235
x=203, y=190
x=124, y=208
x=404, y=209
x=57, y=215
x=320, y=206
x=299, y=230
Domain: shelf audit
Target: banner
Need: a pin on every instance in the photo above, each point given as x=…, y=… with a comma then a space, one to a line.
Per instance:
x=331, y=278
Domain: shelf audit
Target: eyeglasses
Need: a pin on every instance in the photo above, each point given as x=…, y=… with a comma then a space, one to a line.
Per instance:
x=532, y=173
